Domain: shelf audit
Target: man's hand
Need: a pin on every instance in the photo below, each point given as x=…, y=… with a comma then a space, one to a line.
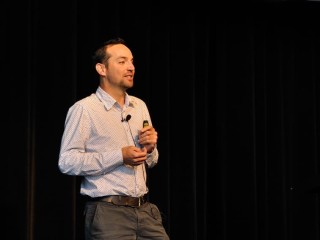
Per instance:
x=134, y=156
x=148, y=138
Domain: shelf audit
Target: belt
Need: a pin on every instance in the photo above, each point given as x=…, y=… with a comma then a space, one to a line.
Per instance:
x=123, y=200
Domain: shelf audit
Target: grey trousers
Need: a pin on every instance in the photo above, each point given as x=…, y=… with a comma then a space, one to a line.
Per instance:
x=104, y=221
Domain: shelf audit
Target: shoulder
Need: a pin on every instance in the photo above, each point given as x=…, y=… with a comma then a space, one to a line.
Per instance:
x=92, y=99
x=87, y=103
x=136, y=101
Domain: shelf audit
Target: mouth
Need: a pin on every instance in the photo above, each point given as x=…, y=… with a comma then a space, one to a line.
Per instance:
x=129, y=76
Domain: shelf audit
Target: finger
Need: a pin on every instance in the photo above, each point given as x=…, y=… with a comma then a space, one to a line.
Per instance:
x=146, y=129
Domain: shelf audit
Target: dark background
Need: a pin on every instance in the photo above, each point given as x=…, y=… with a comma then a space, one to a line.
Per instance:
x=233, y=90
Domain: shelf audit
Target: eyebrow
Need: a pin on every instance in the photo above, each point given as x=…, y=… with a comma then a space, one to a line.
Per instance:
x=125, y=58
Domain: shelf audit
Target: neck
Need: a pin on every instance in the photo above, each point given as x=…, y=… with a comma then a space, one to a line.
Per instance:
x=117, y=93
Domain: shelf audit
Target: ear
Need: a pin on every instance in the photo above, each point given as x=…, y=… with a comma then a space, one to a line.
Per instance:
x=101, y=69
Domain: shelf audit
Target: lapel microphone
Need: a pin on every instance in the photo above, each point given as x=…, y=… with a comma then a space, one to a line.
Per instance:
x=128, y=117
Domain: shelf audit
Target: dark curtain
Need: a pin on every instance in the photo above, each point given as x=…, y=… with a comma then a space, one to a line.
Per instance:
x=233, y=91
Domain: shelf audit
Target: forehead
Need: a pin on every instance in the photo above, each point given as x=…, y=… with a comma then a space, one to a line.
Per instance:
x=118, y=51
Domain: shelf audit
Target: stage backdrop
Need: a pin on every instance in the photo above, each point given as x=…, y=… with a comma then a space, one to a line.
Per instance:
x=233, y=91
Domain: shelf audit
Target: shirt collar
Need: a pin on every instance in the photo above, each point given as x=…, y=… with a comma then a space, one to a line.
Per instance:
x=109, y=101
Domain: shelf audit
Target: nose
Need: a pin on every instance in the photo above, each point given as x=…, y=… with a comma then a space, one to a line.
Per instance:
x=131, y=66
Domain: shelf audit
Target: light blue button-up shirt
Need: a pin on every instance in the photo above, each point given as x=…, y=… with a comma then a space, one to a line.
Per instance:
x=92, y=140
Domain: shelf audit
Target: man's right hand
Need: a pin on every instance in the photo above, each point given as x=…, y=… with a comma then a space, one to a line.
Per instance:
x=134, y=156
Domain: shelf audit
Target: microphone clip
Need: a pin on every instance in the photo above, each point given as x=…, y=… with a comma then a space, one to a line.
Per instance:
x=128, y=117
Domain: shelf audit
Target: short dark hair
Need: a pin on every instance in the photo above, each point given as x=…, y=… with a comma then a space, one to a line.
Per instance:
x=100, y=55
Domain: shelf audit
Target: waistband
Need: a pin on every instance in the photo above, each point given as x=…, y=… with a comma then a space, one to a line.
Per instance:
x=122, y=200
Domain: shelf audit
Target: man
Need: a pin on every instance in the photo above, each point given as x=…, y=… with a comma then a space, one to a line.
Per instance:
x=110, y=141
